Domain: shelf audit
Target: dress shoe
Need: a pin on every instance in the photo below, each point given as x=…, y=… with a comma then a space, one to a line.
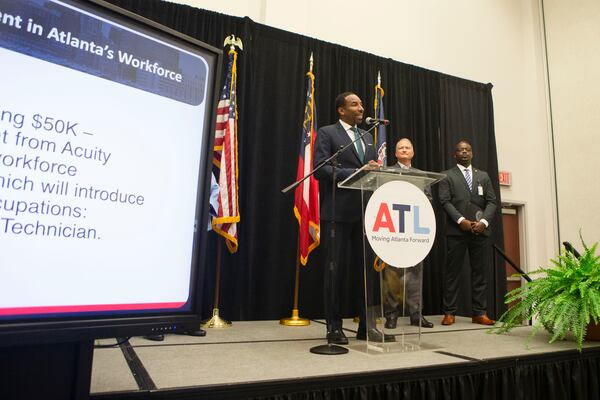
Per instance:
x=198, y=332
x=424, y=323
x=448, y=319
x=375, y=336
x=159, y=337
x=482, y=320
x=337, y=336
x=391, y=321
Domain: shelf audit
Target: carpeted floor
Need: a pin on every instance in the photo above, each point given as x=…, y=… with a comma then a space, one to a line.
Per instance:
x=265, y=351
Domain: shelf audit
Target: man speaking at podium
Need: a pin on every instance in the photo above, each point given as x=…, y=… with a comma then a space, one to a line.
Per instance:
x=345, y=254
x=469, y=200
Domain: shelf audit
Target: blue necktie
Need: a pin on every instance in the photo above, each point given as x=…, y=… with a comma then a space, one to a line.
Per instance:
x=358, y=144
x=468, y=179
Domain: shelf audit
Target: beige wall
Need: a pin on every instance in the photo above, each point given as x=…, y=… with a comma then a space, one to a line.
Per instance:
x=573, y=36
x=497, y=41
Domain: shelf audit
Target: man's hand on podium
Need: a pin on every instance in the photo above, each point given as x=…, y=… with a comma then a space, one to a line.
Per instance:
x=373, y=165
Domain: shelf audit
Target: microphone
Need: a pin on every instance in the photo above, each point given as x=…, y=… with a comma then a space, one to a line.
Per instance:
x=373, y=121
x=569, y=247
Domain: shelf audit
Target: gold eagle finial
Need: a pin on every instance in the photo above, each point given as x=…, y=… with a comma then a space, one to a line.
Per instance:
x=233, y=41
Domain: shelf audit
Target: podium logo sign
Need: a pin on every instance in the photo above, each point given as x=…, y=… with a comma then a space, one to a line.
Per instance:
x=400, y=224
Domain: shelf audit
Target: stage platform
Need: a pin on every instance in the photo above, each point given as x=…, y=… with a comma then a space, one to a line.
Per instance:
x=263, y=359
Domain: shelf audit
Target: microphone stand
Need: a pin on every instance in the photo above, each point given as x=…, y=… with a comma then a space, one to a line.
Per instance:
x=329, y=348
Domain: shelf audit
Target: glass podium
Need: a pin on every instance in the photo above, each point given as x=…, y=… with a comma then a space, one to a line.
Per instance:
x=393, y=293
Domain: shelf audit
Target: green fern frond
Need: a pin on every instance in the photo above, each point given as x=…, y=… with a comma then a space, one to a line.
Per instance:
x=582, y=241
x=564, y=297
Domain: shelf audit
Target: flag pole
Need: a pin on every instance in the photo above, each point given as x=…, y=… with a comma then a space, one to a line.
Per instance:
x=378, y=264
x=375, y=107
x=216, y=321
x=295, y=319
x=224, y=223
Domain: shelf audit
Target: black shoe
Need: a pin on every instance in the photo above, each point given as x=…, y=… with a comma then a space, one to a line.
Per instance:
x=424, y=322
x=159, y=337
x=337, y=336
x=199, y=332
x=391, y=321
x=375, y=336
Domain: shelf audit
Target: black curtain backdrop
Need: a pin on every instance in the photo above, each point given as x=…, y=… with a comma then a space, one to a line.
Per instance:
x=432, y=109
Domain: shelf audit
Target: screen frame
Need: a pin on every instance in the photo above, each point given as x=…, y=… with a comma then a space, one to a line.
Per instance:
x=20, y=331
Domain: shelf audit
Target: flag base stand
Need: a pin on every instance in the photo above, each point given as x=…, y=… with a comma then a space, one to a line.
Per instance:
x=216, y=321
x=328, y=349
x=294, y=320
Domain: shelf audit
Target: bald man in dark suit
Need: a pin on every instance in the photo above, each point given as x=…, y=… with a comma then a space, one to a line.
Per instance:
x=470, y=203
x=347, y=250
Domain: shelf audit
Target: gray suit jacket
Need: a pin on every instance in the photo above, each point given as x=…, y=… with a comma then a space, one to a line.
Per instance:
x=427, y=189
x=458, y=201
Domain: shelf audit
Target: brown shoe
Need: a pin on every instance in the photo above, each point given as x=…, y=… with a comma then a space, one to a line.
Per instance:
x=482, y=320
x=448, y=319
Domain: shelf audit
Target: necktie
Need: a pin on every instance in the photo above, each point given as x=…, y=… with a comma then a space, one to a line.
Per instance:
x=468, y=179
x=358, y=144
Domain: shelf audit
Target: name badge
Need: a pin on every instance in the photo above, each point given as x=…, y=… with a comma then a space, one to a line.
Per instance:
x=480, y=190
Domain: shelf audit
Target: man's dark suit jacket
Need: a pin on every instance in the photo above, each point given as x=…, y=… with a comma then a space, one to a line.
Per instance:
x=329, y=140
x=458, y=201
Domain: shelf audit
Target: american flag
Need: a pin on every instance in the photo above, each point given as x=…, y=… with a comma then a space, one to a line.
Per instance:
x=306, y=201
x=225, y=159
x=380, y=136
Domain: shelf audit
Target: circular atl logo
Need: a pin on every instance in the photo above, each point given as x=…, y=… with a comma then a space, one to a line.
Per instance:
x=400, y=224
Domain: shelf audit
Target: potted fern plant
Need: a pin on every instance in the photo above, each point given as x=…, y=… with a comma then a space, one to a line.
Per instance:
x=565, y=299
